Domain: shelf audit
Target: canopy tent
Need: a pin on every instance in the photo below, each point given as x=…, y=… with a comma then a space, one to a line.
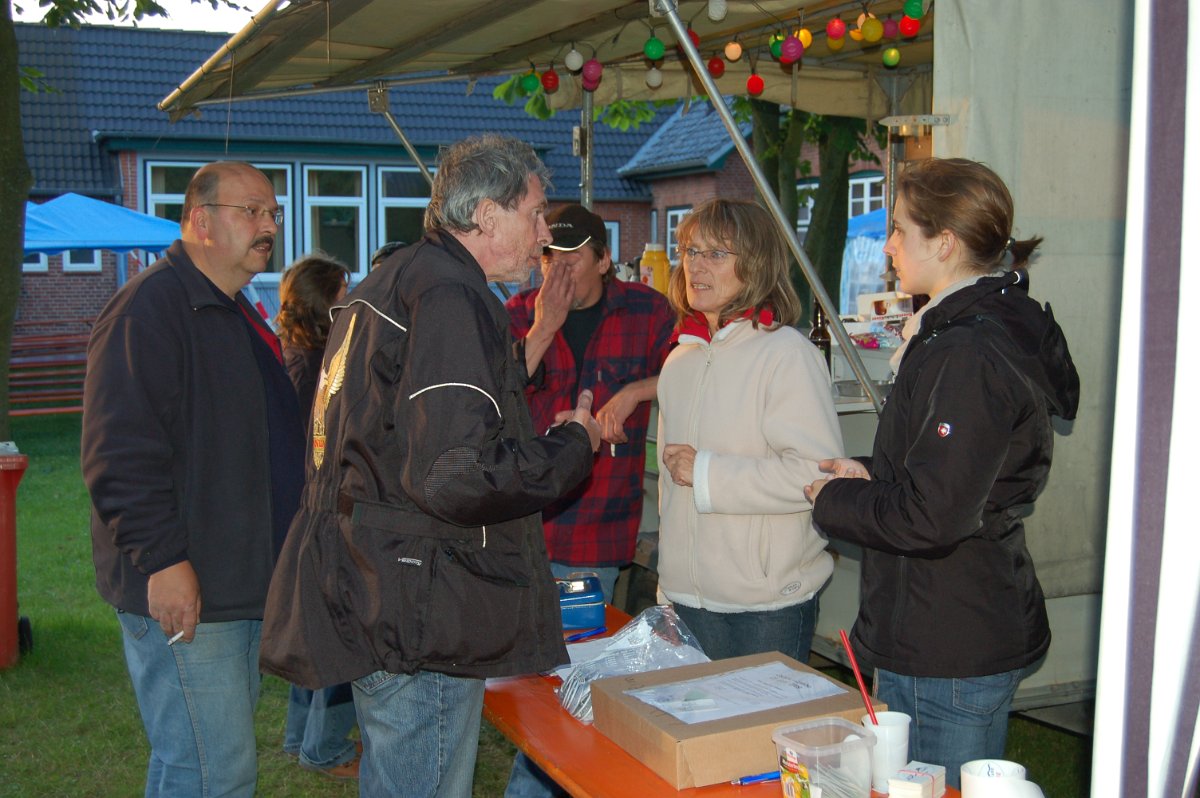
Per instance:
x=72, y=221
x=325, y=45
x=863, y=261
x=335, y=45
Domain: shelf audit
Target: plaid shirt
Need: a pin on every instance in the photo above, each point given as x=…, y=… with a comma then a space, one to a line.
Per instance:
x=597, y=523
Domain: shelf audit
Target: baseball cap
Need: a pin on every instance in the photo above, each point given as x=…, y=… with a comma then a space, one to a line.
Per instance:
x=573, y=226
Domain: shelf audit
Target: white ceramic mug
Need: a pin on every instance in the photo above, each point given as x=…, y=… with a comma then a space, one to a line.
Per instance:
x=890, y=753
x=996, y=778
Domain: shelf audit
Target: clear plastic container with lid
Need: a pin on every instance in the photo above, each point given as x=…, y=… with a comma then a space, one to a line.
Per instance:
x=830, y=753
x=655, y=267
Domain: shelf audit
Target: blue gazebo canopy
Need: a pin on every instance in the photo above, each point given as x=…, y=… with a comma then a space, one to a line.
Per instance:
x=77, y=222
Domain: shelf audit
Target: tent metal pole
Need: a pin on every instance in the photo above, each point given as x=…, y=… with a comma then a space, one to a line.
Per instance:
x=772, y=202
x=377, y=99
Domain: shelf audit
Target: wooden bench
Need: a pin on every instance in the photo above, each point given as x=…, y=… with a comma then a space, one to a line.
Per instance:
x=46, y=373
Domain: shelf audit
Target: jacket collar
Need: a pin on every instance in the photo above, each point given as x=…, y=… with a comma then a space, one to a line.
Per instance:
x=201, y=291
x=958, y=303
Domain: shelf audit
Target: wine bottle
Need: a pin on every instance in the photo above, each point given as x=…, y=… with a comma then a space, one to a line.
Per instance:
x=820, y=333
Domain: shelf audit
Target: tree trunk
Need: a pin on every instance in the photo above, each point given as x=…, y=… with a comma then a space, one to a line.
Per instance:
x=15, y=182
x=827, y=230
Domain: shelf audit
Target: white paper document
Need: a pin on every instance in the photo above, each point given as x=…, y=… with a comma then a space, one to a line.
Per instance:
x=740, y=692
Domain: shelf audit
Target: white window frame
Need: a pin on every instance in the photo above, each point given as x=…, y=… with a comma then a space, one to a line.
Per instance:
x=42, y=264
x=308, y=202
x=85, y=266
x=154, y=199
x=613, y=229
x=806, y=188
x=871, y=195
x=674, y=217
x=384, y=203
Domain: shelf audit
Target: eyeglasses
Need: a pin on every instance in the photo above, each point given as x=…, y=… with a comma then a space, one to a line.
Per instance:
x=711, y=255
x=252, y=212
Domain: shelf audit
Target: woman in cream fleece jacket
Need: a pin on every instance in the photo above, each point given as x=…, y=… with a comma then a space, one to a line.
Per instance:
x=745, y=416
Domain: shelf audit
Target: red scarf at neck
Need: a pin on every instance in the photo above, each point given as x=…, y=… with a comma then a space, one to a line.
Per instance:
x=697, y=325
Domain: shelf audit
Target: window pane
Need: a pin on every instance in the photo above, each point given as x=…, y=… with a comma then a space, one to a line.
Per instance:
x=81, y=257
x=171, y=179
x=404, y=184
x=169, y=210
x=403, y=224
x=335, y=231
x=331, y=183
x=279, y=181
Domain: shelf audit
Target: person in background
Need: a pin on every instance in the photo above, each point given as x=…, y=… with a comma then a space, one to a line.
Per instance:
x=381, y=254
x=952, y=616
x=416, y=567
x=583, y=329
x=193, y=451
x=745, y=417
x=319, y=722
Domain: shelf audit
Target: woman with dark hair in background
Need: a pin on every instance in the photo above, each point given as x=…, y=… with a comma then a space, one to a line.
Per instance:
x=952, y=616
x=745, y=417
x=318, y=721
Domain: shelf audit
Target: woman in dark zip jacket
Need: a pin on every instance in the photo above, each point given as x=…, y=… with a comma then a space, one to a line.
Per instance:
x=952, y=616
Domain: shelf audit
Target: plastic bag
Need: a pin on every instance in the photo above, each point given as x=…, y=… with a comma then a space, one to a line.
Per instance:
x=654, y=640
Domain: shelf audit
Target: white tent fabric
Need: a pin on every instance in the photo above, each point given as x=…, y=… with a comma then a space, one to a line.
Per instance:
x=320, y=45
x=1148, y=694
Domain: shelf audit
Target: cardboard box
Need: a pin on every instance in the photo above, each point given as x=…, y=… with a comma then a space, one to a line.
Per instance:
x=698, y=754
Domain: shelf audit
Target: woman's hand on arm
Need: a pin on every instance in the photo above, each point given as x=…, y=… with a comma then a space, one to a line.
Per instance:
x=680, y=460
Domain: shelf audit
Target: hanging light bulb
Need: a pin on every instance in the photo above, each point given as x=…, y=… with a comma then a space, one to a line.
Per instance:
x=754, y=85
x=654, y=77
x=574, y=60
x=717, y=9
x=733, y=51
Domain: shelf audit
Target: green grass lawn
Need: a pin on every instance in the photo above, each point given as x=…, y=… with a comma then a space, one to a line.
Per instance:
x=69, y=724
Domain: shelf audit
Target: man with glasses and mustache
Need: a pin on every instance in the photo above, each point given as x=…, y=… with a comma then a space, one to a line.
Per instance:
x=193, y=451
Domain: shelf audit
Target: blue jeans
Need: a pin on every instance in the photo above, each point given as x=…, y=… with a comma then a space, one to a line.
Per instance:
x=735, y=634
x=953, y=720
x=318, y=725
x=420, y=733
x=527, y=780
x=197, y=705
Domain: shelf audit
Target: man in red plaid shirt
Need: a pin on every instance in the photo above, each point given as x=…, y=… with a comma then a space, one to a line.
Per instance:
x=584, y=329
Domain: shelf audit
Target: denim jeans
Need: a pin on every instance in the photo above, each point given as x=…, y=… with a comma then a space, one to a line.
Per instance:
x=735, y=634
x=953, y=720
x=197, y=705
x=318, y=725
x=527, y=780
x=420, y=734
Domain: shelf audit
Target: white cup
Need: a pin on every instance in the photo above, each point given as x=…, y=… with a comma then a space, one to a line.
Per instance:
x=996, y=778
x=890, y=753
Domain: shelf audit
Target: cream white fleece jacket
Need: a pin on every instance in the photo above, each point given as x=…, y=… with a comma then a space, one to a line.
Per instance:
x=757, y=406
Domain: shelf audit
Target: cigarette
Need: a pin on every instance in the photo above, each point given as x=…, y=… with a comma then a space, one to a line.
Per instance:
x=612, y=449
x=175, y=638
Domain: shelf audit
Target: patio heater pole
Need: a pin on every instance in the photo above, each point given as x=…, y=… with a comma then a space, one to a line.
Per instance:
x=586, y=130
x=678, y=27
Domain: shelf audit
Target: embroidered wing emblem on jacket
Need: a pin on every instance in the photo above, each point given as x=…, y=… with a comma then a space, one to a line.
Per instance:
x=329, y=384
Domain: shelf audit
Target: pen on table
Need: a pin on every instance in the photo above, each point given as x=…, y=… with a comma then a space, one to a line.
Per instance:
x=175, y=638
x=585, y=635
x=761, y=778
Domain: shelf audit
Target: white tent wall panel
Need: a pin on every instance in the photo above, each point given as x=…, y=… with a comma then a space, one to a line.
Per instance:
x=1037, y=104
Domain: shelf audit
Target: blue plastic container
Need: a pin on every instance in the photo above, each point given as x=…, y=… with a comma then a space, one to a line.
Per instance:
x=581, y=600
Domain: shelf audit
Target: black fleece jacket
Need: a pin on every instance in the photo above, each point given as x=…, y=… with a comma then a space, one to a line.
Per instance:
x=963, y=449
